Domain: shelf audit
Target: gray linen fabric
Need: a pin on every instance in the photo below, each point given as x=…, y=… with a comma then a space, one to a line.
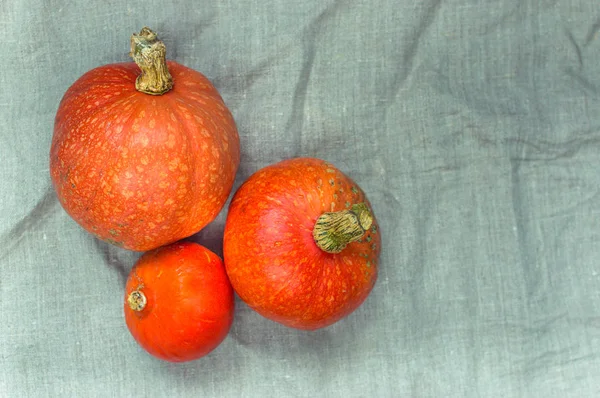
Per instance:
x=473, y=126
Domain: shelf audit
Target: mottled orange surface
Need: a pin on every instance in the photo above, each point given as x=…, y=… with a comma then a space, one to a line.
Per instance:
x=141, y=171
x=190, y=304
x=270, y=255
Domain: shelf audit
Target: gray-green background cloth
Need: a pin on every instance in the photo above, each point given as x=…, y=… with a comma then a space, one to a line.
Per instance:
x=473, y=126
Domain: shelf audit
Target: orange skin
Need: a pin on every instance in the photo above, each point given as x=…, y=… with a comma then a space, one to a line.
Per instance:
x=190, y=302
x=272, y=259
x=141, y=171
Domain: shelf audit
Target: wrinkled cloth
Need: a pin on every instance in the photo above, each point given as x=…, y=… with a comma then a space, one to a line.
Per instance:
x=473, y=127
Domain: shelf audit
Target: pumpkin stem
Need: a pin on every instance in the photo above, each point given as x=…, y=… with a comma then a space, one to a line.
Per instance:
x=333, y=231
x=137, y=300
x=149, y=54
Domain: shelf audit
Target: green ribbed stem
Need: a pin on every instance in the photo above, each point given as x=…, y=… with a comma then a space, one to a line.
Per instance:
x=333, y=231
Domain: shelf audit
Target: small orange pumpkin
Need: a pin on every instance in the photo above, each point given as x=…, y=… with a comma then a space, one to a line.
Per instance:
x=179, y=303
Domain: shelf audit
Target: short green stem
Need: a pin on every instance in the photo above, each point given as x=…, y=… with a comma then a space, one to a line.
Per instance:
x=334, y=230
x=150, y=55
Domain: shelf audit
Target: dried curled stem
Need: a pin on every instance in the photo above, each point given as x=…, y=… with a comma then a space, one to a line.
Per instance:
x=149, y=54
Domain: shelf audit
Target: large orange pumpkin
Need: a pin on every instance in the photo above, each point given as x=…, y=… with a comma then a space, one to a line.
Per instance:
x=143, y=155
x=301, y=243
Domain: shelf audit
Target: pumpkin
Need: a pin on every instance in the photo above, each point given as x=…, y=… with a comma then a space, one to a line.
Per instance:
x=179, y=303
x=143, y=153
x=301, y=243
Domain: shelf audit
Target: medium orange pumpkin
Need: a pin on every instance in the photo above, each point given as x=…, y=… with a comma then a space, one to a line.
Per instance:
x=301, y=243
x=143, y=159
x=179, y=304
